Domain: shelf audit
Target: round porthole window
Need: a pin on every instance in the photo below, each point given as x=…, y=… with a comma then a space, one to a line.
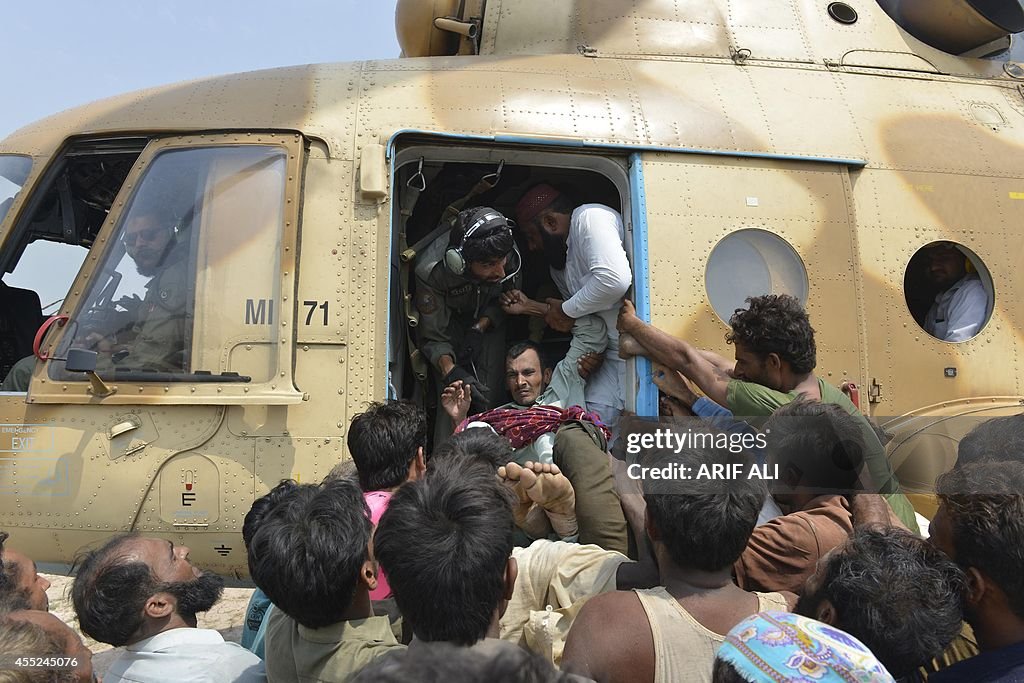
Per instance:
x=948, y=291
x=842, y=13
x=752, y=262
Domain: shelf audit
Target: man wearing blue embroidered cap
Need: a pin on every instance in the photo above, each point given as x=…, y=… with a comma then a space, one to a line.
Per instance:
x=778, y=646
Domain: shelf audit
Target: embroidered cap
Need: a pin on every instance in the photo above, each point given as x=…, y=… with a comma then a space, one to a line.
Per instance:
x=536, y=199
x=779, y=646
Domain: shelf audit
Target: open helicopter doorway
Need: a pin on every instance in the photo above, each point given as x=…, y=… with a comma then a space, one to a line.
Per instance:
x=432, y=184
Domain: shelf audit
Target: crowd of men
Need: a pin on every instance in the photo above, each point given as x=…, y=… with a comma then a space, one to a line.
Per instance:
x=523, y=546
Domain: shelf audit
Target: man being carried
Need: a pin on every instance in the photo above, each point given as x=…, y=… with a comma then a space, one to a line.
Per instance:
x=775, y=359
x=546, y=427
x=554, y=578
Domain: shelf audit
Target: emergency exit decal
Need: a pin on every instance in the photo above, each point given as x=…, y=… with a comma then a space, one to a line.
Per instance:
x=25, y=438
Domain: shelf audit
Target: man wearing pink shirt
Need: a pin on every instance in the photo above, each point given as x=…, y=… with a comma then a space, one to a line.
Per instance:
x=387, y=443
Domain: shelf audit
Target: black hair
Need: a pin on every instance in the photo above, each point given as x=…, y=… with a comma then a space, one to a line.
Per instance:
x=260, y=506
x=996, y=440
x=725, y=672
x=522, y=347
x=896, y=593
x=110, y=594
x=819, y=444
x=308, y=551
x=444, y=542
x=703, y=524
x=984, y=503
x=475, y=445
x=445, y=662
x=775, y=323
x=12, y=598
x=383, y=440
x=487, y=242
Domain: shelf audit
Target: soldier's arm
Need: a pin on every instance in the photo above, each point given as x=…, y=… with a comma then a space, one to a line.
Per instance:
x=433, y=327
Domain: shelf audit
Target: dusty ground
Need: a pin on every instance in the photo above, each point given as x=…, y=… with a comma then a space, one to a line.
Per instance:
x=226, y=616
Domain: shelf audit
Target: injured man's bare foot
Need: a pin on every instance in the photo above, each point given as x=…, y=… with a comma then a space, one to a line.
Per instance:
x=528, y=516
x=629, y=346
x=552, y=491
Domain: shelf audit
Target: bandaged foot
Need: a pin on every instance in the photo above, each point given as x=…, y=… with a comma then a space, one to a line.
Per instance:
x=551, y=490
x=629, y=346
x=528, y=516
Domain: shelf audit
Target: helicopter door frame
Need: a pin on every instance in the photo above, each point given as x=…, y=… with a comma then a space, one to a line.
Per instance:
x=613, y=164
x=635, y=210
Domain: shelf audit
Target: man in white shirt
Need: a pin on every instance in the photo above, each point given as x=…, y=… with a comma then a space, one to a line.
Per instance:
x=961, y=306
x=144, y=594
x=588, y=264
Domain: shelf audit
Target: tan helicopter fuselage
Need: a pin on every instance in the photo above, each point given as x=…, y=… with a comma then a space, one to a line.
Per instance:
x=856, y=145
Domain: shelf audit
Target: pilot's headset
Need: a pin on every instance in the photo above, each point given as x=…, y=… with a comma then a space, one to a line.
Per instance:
x=477, y=223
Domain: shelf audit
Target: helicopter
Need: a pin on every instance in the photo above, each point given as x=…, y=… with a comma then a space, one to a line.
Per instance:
x=770, y=146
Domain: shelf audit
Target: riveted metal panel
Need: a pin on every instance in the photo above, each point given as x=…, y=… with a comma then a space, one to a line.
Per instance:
x=213, y=518
x=80, y=478
x=900, y=212
x=697, y=201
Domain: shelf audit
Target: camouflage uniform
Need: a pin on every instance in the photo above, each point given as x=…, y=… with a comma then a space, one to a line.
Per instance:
x=157, y=337
x=448, y=306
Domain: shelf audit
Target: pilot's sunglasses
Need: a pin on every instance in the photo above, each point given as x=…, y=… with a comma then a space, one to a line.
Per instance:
x=148, y=234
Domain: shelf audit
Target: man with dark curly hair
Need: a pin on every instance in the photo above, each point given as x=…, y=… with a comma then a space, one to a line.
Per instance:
x=980, y=526
x=775, y=359
x=893, y=591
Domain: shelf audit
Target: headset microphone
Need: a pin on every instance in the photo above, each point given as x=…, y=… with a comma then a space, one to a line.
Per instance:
x=479, y=220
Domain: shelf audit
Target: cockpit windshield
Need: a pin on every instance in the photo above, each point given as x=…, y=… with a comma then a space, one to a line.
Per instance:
x=13, y=173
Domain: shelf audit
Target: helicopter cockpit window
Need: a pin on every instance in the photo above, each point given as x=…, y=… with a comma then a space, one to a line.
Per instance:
x=752, y=262
x=203, y=225
x=13, y=173
x=949, y=291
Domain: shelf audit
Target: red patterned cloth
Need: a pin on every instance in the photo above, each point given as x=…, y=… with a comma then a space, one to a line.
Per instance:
x=522, y=426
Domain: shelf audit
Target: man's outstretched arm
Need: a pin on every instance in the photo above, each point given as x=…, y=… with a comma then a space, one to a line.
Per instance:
x=676, y=354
